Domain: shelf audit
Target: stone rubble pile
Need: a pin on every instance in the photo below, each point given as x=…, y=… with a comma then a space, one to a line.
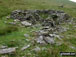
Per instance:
x=46, y=36
x=6, y=50
x=50, y=20
x=33, y=16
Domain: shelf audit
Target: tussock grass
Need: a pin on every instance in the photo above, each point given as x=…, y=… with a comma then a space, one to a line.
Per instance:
x=8, y=29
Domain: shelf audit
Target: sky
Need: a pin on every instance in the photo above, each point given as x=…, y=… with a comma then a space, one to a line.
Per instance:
x=73, y=0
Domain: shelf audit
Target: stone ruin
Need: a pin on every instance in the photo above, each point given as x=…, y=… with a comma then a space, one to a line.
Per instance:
x=50, y=20
x=53, y=17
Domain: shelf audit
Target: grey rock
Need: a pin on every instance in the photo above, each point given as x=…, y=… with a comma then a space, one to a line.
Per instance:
x=51, y=35
x=61, y=29
x=74, y=26
x=49, y=40
x=72, y=47
x=55, y=36
x=3, y=47
x=27, y=40
x=3, y=56
x=40, y=40
x=25, y=47
x=46, y=27
x=48, y=22
x=37, y=49
x=8, y=17
x=44, y=48
x=37, y=25
x=16, y=20
x=26, y=35
x=7, y=51
x=43, y=32
x=25, y=23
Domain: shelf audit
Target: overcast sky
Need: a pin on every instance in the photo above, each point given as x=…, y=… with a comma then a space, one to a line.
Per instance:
x=73, y=0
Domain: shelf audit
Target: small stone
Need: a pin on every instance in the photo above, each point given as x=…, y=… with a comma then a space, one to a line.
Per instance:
x=44, y=32
x=40, y=40
x=26, y=35
x=74, y=26
x=4, y=56
x=37, y=49
x=8, y=17
x=25, y=23
x=58, y=43
x=44, y=48
x=49, y=40
x=51, y=35
x=27, y=40
x=16, y=20
x=56, y=36
x=46, y=27
x=72, y=47
x=25, y=47
x=3, y=47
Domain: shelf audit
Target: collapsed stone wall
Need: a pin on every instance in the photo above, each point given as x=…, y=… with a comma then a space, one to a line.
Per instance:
x=47, y=34
x=53, y=17
x=49, y=19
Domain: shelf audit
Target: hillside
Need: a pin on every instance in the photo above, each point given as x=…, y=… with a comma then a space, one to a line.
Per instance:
x=14, y=35
x=27, y=4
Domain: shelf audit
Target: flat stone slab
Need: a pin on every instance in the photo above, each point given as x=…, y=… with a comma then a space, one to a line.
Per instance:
x=25, y=23
x=7, y=50
x=25, y=47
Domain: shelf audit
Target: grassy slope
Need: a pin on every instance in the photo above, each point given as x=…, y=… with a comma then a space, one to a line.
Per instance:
x=6, y=6
x=34, y=4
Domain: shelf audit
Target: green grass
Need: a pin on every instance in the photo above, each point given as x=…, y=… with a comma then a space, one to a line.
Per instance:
x=7, y=6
